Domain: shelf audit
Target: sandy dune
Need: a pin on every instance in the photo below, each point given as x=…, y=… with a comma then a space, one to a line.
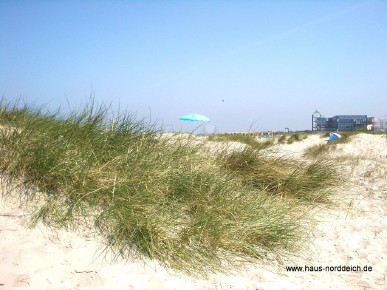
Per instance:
x=353, y=234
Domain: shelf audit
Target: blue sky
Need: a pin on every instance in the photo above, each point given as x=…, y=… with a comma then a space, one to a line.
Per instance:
x=272, y=62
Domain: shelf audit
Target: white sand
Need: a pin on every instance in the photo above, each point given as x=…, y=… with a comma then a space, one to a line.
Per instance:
x=355, y=234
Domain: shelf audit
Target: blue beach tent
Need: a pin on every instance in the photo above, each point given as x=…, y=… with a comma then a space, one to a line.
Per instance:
x=334, y=137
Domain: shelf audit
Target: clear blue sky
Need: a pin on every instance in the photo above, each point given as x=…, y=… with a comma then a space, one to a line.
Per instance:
x=272, y=62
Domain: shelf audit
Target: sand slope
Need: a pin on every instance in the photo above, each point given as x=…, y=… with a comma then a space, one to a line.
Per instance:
x=354, y=234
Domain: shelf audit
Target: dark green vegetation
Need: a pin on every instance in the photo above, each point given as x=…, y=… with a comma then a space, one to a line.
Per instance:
x=155, y=196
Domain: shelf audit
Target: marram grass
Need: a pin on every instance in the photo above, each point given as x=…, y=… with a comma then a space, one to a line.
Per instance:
x=311, y=181
x=157, y=197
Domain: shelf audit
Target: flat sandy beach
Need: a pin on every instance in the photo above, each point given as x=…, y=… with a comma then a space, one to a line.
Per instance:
x=353, y=233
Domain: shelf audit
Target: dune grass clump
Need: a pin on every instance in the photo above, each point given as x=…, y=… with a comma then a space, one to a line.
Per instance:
x=146, y=195
x=245, y=139
x=289, y=139
x=296, y=137
x=282, y=139
x=317, y=150
x=310, y=181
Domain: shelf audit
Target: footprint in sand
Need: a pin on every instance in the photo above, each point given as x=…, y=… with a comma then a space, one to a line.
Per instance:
x=88, y=278
x=22, y=280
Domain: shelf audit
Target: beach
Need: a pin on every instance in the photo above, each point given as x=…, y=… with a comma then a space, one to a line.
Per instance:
x=347, y=236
